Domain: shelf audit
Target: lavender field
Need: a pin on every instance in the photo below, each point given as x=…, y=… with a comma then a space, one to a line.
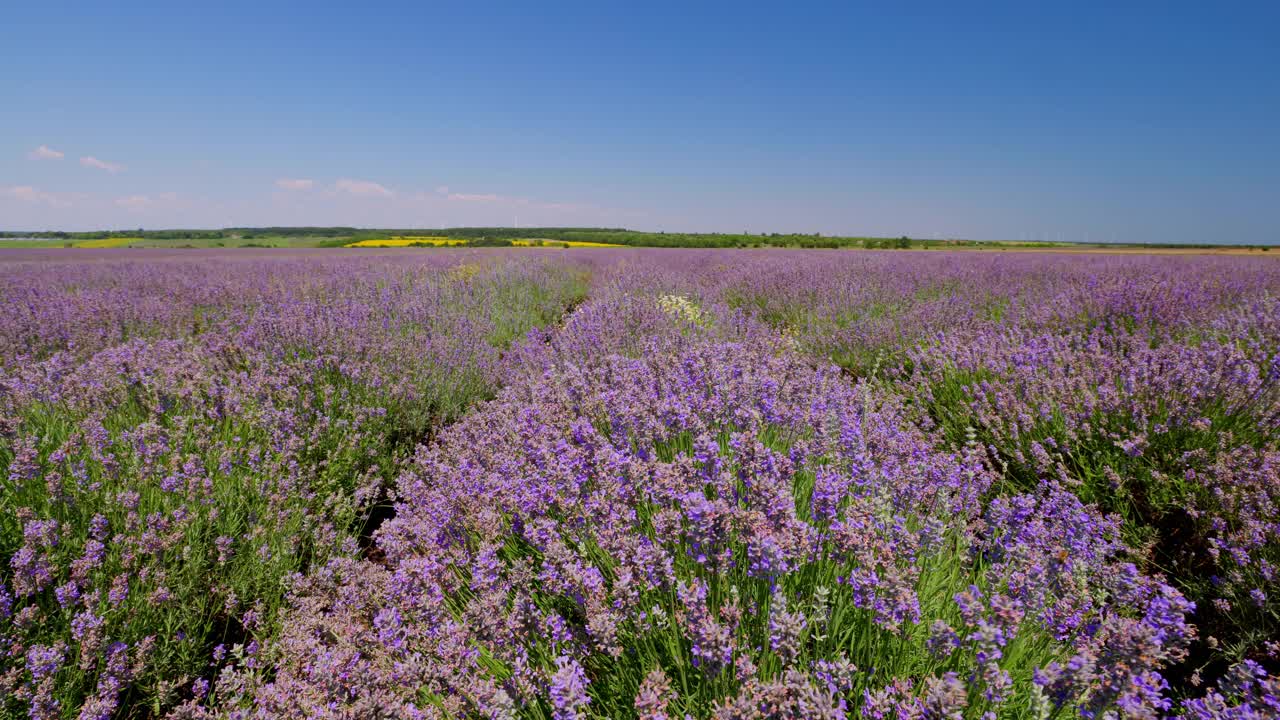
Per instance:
x=570, y=484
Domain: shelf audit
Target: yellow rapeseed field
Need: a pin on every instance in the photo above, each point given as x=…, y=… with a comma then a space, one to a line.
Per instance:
x=107, y=242
x=406, y=242
x=558, y=243
x=438, y=241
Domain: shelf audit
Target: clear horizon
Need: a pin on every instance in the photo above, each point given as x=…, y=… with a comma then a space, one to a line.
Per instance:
x=1081, y=122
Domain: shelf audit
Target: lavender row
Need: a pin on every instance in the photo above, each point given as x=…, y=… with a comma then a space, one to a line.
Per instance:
x=159, y=493
x=701, y=523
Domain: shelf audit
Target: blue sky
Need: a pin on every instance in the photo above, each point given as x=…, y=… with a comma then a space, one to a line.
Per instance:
x=1074, y=121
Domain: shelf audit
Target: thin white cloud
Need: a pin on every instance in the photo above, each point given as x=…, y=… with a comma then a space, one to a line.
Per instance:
x=366, y=188
x=503, y=203
x=29, y=194
x=44, y=152
x=295, y=184
x=93, y=162
x=138, y=203
x=516, y=202
x=134, y=202
x=33, y=206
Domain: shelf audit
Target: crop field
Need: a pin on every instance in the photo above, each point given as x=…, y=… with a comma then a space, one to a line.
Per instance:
x=112, y=242
x=641, y=483
x=440, y=241
x=541, y=242
x=406, y=242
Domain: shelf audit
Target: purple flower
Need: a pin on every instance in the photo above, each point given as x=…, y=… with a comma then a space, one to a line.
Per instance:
x=568, y=691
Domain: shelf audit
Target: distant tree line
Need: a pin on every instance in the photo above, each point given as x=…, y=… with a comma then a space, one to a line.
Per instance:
x=620, y=236
x=476, y=236
x=341, y=235
x=106, y=234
